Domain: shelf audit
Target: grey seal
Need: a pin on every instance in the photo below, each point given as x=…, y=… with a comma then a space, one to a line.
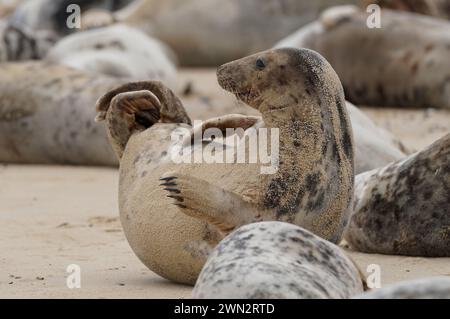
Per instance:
x=174, y=214
x=273, y=260
x=403, y=208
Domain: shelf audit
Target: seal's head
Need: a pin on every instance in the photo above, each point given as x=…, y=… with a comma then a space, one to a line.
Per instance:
x=274, y=79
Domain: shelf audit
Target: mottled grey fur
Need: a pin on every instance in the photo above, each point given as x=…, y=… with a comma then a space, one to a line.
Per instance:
x=298, y=93
x=47, y=115
x=273, y=260
x=404, y=208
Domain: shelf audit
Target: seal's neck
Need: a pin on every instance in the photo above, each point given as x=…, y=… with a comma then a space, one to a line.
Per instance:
x=310, y=150
x=301, y=124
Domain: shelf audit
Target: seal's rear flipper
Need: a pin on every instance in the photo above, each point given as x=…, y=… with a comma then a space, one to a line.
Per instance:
x=127, y=113
x=136, y=106
x=203, y=200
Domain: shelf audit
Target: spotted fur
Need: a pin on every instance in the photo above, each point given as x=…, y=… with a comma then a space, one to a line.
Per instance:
x=404, y=208
x=47, y=115
x=273, y=260
x=299, y=93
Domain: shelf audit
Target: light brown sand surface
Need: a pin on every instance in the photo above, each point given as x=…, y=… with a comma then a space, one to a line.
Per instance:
x=51, y=217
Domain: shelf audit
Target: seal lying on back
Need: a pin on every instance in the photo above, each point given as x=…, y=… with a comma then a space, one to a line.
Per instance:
x=273, y=260
x=404, y=208
x=297, y=92
x=118, y=51
x=430, y=288
x=403, y=64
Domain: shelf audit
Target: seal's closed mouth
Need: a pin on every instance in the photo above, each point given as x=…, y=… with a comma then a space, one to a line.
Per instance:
x=245, y=96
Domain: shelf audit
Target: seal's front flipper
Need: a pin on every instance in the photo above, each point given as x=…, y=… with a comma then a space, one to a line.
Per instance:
x=213, y=204
x=222, y=123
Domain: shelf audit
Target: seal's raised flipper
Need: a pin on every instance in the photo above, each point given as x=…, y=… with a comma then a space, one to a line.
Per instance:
x=171, y=108
x=135, y=107
x=211, y=203
x=130, y=112
x=222, y=123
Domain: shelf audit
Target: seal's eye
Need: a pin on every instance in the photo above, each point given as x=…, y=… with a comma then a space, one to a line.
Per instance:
x=260, y=65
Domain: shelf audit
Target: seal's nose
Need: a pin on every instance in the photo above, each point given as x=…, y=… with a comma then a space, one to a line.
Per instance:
x=221, y=70
x=222, y=75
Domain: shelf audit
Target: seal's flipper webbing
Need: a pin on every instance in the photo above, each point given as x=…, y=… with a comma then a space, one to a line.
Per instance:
x=213, y=204
x=136, y=106
x=171, y=109
x=130, y=112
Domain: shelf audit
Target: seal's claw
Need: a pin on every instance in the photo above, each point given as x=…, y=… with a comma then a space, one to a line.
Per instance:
x=177, y=198
x=173, y=190
x=167, y=178
x=168, y=184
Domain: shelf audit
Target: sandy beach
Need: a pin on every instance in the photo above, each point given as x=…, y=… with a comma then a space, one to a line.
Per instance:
x=55, y=216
